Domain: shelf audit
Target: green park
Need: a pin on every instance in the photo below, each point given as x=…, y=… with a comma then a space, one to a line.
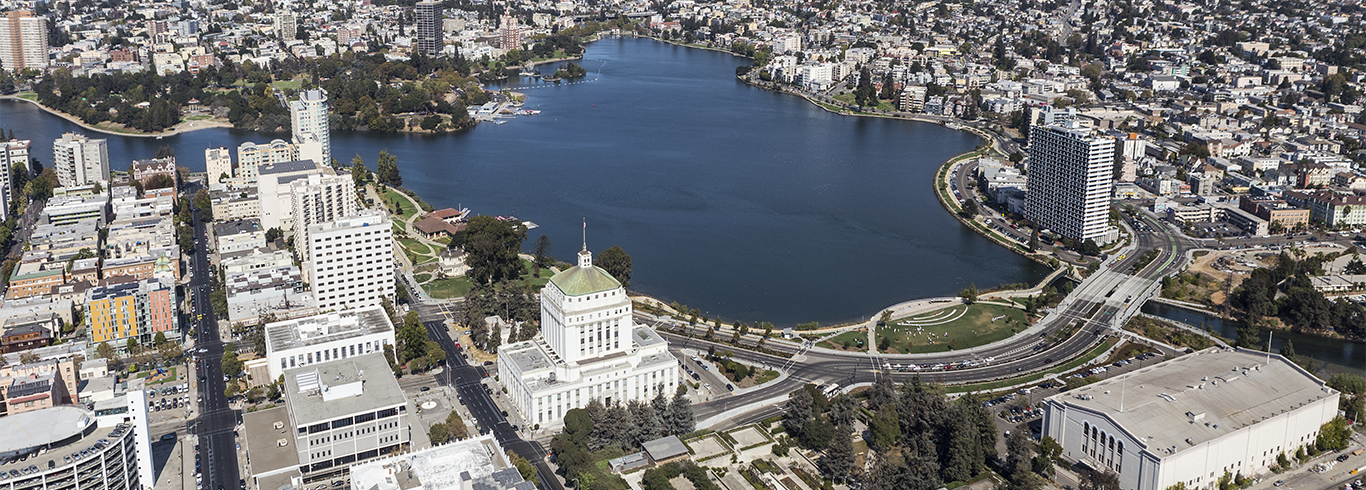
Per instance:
x=950, y=328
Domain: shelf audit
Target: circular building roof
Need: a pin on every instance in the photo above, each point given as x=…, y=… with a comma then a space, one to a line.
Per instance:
x=41, y=427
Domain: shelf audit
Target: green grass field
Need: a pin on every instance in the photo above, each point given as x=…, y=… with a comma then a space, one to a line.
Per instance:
x=973, y=328
x=422, y=277
x=460, y=286
x=855, y=341
x=408, y=208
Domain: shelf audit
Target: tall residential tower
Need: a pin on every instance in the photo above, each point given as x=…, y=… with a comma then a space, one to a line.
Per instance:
x=79, y=160
x=429, y=34
x=23, y=41
x=1071, y=178
x=309, y=118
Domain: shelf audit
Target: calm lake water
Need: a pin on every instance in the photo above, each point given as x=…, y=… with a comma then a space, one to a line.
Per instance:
x=737, y=201
x=1333, y=355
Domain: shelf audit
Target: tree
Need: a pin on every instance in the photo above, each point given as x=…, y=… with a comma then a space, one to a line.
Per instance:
x=1019, y=452
x=439, y=433
x=28, y=357
x=106, y=351
x=1334, y=435
x=969, y=209
x=359, y=174
x=1098, y=480
x=491, y=246
x=969, y=295
x=617, y=263
x=159, y=339
x=132, y=345
x=543, y=259
x=886, y=427
x=387, y=169
x=839, y=459
x=680, y=415
x=231, y=365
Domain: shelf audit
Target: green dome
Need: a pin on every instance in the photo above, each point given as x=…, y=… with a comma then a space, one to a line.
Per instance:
x=578, y=281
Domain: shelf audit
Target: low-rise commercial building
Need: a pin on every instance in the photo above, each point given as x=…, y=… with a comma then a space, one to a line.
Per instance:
x=1192, y=419
x=340, y=417
x=303, y=342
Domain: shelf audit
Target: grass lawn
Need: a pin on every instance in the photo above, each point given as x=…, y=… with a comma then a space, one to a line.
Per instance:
x=399, y=228
x=200, y=117
x=398, y=197
x=415, y=246
x=27, y=96
x=847, y=341
x=881, y=104
x=422, y=277
x=765, y=377
x=459, y=286
x=958, y=329
x=288, y=84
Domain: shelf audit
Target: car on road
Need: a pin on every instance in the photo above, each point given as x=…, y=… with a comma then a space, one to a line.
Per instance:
x=1280, y=482
x=426, y=388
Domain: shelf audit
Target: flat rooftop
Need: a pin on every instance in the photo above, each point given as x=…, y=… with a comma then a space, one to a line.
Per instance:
x=1199, y=397
x=41, y=427
x=341, y=388
x=62, y=430
x=237, y=226
x=263, y=441
x=287, y=167
x=479, y=459
x=327, y=327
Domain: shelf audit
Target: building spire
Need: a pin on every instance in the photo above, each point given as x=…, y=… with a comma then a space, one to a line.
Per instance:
x=585, y=257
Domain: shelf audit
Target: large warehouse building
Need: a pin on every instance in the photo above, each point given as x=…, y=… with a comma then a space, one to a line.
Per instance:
x=1191, y=419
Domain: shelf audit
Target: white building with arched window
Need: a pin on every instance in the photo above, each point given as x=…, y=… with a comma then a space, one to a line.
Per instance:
x=588, y=349
x=1191, y=419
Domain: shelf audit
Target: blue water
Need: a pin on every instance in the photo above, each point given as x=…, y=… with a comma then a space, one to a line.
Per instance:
x=1333, y=355
x=740, y=202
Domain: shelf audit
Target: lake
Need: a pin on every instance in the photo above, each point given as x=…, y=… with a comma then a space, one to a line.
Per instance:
x=737, y=201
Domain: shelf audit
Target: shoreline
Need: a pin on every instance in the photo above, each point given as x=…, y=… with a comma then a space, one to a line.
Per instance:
x=181, y=128
x=941, y=172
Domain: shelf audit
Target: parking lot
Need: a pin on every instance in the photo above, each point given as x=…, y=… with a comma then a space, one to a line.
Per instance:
x=1022, y=405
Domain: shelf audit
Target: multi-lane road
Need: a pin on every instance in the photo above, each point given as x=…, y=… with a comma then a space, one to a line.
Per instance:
x=216, y=419
x=1095, y=307
x=469, y=382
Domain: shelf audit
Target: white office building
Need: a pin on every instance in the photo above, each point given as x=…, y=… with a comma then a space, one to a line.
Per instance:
x=341, y=416
x=351, y=261
x=588, y=349
x=1071, y=178
x=303, y=342
x=308, y=116
x=1191, y=419
x=80, y=161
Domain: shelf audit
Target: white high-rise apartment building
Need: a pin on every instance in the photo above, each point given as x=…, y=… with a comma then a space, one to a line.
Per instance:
x=308, y=117
x=588, y=349
x=1071, y=179
x=23, y=41
x=318, y=199
x=251, y=157
x=218, y=163
x=352, y=261
x=79, y=160
x=286, y=25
